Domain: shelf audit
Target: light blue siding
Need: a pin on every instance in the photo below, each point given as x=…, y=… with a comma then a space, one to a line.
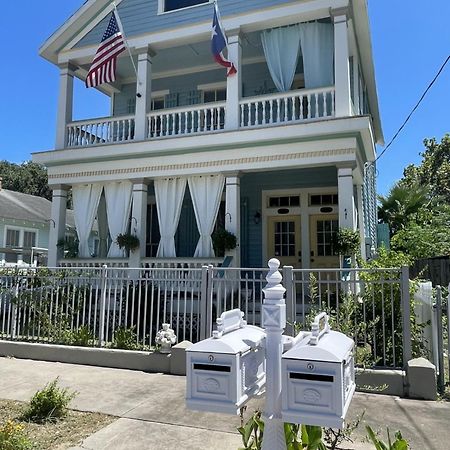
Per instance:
x=141, y=16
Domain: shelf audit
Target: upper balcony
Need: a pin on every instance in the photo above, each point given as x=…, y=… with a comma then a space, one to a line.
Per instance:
x=179, y=91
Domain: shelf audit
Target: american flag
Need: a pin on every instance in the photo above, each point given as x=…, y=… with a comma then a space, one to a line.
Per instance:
x=103, y=68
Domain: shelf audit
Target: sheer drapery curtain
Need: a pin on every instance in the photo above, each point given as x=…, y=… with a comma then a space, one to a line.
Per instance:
x=281, y=48
x=169, y=195
x=206, y=192
x=85, y=203
x=317, y=47
x=118, y=207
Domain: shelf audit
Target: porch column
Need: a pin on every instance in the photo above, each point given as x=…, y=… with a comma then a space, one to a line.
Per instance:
x=361, y=225
x=233, y=215
x=341, y=63
x=139, y=221
x=65, y=104
x=234, y=83
x=143, y=94
x=57, y=224
x=346, y=198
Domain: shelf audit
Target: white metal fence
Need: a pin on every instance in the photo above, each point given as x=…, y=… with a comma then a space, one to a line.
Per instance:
x=124, y=308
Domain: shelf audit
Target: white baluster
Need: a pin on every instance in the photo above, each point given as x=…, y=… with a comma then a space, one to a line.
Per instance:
x=332, y=102
x=186, y=128
x=309, y=105
x=278, y=110
x=325, y=112
x=317, y=105
x=264, y=119
x=271, y=111
x=211, y=114
x=286, y=109
x=294, y=108
x=242, y=115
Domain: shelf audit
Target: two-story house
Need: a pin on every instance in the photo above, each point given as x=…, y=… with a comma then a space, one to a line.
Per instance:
x=280, y=153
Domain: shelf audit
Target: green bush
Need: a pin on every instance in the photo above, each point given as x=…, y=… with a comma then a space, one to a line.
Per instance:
x=12, y=437
x=49, y=404
x=223, y=240
x=347, y=242
x=125, y=339
x=398, y=444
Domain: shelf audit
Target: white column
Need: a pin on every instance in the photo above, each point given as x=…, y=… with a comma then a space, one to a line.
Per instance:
x=139, y=221
x=234, y=84
x=273, y=322
x=341, y=64
x=346, y=198
x=143, y=94
x=57, y=224
x=362, y=234
x=65, y=104
x=233, y=215
x=305, y=230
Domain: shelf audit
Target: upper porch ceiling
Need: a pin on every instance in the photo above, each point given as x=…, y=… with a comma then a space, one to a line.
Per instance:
x=189, y=57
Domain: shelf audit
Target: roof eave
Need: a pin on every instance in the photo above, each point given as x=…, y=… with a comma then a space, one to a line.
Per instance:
x=362, y=29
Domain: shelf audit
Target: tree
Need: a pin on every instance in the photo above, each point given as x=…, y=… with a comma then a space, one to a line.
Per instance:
x=402, y=205
x=434, y=170
x=28, y=178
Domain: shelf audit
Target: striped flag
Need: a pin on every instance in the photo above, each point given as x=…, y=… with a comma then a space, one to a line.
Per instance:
x=103, y=68
x=219, y=43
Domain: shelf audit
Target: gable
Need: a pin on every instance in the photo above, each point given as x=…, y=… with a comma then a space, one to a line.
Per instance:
x=141, y=16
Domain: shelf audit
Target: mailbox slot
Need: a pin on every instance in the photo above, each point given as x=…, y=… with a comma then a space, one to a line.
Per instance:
x=311, y=377
x=212, y=367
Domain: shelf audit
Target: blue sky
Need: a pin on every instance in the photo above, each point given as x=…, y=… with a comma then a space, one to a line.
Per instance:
x=410, y=43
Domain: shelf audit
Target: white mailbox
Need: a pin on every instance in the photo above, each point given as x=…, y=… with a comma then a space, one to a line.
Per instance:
x=318, y=377
x=225, y=371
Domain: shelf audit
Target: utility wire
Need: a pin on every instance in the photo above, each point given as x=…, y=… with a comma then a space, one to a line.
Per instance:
x=414, y=109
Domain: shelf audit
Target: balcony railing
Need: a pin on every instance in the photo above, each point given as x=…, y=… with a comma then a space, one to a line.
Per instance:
x=292, y=106
x=261, y=111
x=100, y=131
x=196, y=119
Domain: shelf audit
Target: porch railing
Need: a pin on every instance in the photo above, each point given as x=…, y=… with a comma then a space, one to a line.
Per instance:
x=107, y=306
x=292, y=106
x=85, y=133
x=205, y=118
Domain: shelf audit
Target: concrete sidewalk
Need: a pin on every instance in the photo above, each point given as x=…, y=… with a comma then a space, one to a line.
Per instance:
x=151, y=412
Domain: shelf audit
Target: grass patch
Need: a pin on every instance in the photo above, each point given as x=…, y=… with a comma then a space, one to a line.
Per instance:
x=59, y=435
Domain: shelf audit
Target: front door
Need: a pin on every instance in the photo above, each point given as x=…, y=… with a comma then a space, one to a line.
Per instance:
x=284, y=240
x=323, y=228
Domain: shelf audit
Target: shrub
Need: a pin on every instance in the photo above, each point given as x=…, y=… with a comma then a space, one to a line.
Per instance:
x=347, y=242
x=125, y=339
x=12, y=437
x=49, y=404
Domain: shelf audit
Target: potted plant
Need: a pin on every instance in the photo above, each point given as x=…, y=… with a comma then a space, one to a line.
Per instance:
x=127, y=241
x=347, y=244
x=69, y=247
x=223, y=240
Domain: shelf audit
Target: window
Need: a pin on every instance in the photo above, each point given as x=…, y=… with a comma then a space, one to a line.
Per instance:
x=214, y=95
x=286, y=201
x=285, y=238
x=172, y=5
x=24, y=239
x=323, y=199
x=326, y=232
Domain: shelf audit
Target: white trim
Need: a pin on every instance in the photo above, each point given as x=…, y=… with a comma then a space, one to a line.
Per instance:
x=161, y=93
x=161, y=7
x=304, y=211
x=212, y=86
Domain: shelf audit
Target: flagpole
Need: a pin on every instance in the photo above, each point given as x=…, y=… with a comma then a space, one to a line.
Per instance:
x=119, y=24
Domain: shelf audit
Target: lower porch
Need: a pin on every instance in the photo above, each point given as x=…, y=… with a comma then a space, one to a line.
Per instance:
x=290, y=214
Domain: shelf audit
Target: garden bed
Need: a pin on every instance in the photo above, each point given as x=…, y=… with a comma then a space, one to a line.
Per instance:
x=59, y=435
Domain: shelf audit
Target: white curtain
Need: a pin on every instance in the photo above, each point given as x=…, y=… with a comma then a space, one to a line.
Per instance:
x=206, y=192
x=118, y=207
x=85, y=203
x=169, y=195
x=317, y=47
x=281, y=49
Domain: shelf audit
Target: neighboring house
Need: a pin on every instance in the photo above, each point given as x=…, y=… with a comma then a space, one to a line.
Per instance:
x=280, y=154
x=25, y=223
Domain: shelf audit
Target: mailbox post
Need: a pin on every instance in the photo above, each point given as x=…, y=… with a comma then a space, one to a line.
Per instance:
x=274, y=322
